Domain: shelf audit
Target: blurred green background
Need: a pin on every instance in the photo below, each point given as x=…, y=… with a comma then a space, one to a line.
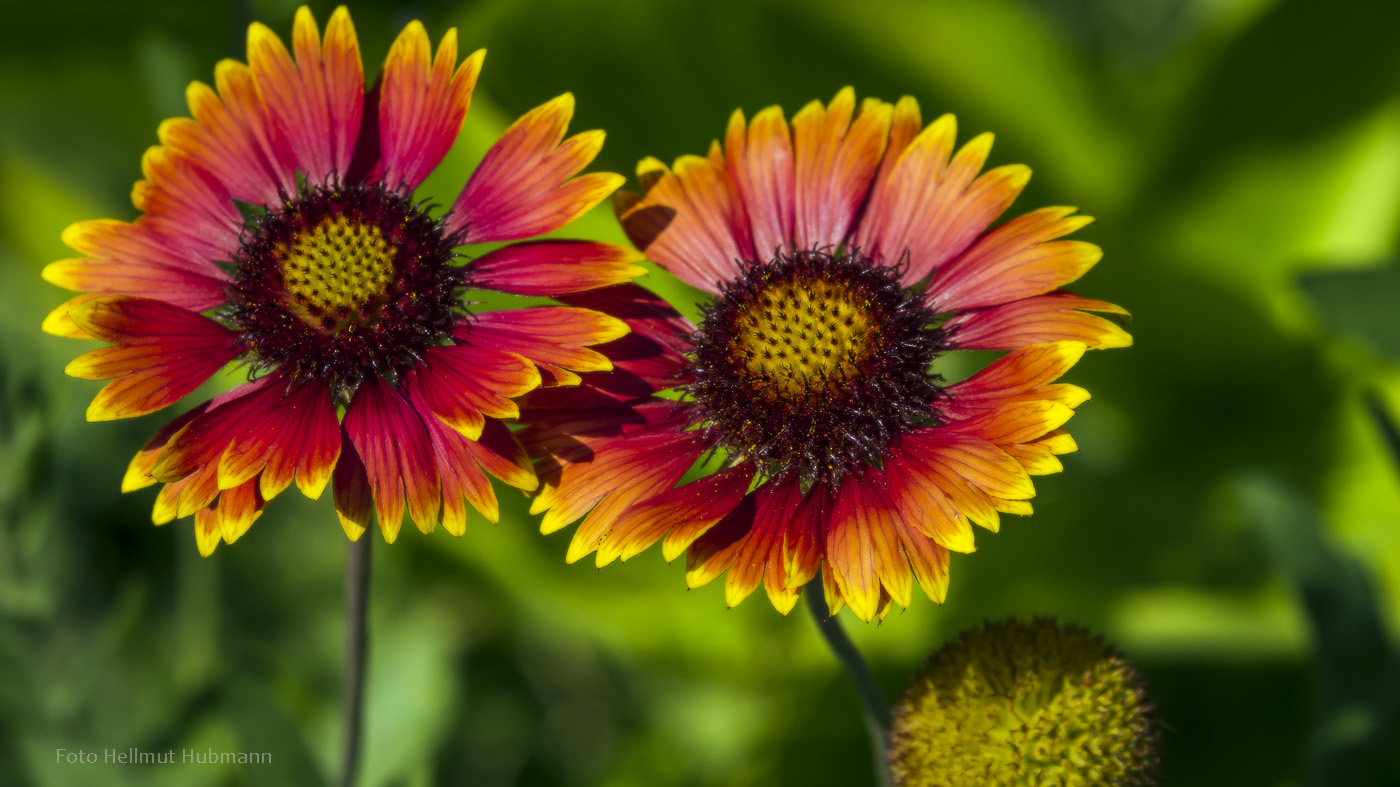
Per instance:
x=1232, y=522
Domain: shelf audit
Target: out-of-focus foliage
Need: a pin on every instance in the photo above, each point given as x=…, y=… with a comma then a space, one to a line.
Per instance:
x=1225, y=145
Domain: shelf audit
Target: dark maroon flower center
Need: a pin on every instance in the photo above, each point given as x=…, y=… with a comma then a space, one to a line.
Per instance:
x=343, y=283
x=812, y=363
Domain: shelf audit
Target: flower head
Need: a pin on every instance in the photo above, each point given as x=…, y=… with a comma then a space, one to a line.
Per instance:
x=844, y=253
x=1024, y=704
x=279, y=232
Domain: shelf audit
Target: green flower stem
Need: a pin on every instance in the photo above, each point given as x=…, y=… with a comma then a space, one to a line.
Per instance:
x=356, y=641
x=877, y=711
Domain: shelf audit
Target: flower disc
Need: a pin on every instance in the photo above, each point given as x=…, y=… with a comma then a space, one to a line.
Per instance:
x=812, y=363
x=344, y=283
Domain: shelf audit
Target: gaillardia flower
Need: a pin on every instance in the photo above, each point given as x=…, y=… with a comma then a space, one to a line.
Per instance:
x=844, y=254
x=1025, y=704
x=278, y=230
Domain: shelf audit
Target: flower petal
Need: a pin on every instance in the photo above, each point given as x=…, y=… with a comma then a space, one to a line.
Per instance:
x=557, y=335
x=522, y=187
x=1057, y=316
x=391, y=440
x=1017, y=260
x=354, y=501
x=163, y=352
x=760, y=161
x=500, y=453
x=315, y=103
x=555, y=267
x=690, y=221
x=231, y=138
x=681, y=515
x=133, y=259
x=297, y=437
x=759, y=554
x=607, y=476
x=206, y=531
x=713, y=552
x=850, y=548
x=187, y=207
x=835, y=163
x=803, y=539
x=654, y=353
x=1019, y=375
x=140, y=471
x=422, y=103
x=465, y=385
x=237, y=509
x=928, y=559
x=931, y=208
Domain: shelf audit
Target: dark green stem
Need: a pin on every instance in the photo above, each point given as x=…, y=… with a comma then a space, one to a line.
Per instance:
x=356, y=641
x=877, y=712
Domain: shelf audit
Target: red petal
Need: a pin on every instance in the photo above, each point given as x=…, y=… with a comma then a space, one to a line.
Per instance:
x=546, y=335
x=163, y=352
x=394, y=445
x=553, y=267
x=464, y=385
x=354, y=502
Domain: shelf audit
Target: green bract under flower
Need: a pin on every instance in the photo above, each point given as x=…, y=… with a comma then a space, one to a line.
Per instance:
x=1025, y=704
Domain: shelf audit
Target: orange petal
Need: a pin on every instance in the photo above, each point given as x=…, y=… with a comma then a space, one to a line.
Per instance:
x=237, y=509
x=1057, y=316
x=1017, y=260
x=522, y=187
x=464, y=385
x=759, y=554
x=422, y=103
x=932, y=208
x=690, y=509
x=316, y=102
x=1018, y=375
x=835, y=163
x=231, y=137
x=850, y=550
x=760, y=161
x=206, y=531
x=712, y=553
x=690, y=222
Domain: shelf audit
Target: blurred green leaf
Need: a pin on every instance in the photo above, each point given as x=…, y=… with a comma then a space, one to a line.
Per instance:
x=264, y=726
x=1385, y=425
x=1358, y=674
x=1359, y=304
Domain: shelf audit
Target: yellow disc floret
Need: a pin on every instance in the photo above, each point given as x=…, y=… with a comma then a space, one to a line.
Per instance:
x=1024, y=704
x=336, y=269
x=801, y=336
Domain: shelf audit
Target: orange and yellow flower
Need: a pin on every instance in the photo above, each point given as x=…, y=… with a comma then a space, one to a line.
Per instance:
x=845, y=252
x=278, y=231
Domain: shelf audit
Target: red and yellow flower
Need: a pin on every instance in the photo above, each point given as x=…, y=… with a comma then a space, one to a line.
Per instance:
x=844, y=252
x=341, y=295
